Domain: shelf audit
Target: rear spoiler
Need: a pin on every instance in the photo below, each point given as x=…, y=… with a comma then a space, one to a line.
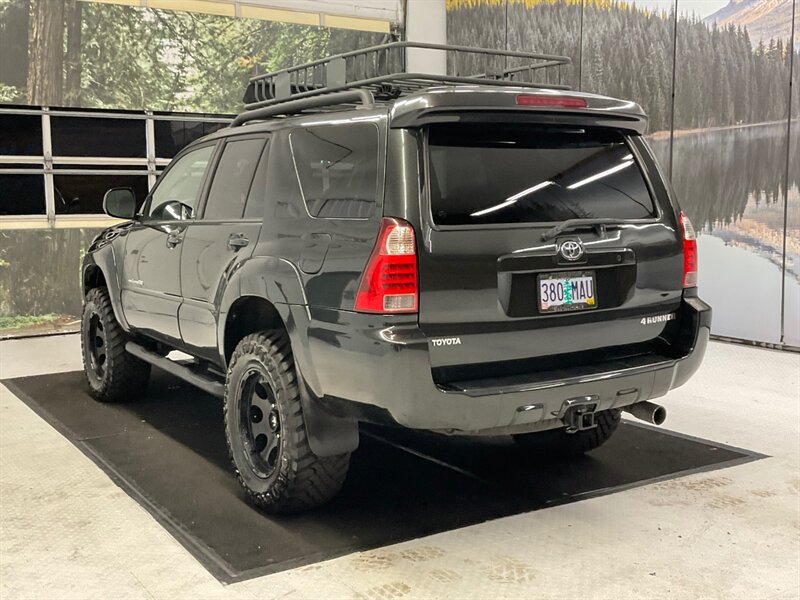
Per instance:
x=479, y=103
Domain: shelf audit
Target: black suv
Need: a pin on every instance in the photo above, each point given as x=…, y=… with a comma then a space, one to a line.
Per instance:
x=478, y=256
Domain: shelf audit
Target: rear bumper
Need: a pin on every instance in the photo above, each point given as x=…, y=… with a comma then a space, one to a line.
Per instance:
x=360, y=365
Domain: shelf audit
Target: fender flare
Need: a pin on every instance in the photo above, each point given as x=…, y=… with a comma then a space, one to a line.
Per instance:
x=277, y=281
x=104, y=260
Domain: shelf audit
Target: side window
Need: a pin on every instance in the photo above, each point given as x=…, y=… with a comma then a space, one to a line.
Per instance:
x=176, y=196
x=232, y=179
x=258, y=191
x=337, y=166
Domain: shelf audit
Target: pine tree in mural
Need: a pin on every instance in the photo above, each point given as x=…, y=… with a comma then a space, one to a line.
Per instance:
x=627, y=52
x=111, y=56
x=46, y=52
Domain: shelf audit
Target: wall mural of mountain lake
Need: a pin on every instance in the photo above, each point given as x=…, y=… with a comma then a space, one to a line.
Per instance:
x=730, y=182
x=729, y=144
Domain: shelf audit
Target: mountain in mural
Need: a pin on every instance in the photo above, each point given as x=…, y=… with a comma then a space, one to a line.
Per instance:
x=764, y=19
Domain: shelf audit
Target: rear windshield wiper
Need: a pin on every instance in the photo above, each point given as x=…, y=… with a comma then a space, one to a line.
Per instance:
x=576, y=223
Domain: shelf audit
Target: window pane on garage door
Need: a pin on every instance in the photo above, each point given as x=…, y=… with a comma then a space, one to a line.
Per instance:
x=173, y=136
x=86, y=136
x=21, y=135
x=22, y=195
x=83, y=194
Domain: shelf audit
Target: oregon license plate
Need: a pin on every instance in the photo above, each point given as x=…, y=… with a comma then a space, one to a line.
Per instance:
x=561, y=292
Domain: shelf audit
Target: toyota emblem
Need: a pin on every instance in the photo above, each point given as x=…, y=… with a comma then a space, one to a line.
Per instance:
x=571, y=250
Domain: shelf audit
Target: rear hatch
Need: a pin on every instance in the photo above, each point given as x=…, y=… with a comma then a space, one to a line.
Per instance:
x=541, y=240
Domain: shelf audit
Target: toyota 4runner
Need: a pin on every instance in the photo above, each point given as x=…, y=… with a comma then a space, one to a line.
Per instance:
x=475, y=255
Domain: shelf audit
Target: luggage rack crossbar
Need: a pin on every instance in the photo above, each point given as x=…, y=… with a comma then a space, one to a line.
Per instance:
x=381, y=70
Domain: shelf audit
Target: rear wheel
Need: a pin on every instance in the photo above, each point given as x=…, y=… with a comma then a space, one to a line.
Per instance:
x=558, y=441
x=266, y=431
x=112, y=373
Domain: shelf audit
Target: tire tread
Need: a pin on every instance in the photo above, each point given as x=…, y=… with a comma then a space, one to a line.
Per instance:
x=126, y=376
x=305, y=480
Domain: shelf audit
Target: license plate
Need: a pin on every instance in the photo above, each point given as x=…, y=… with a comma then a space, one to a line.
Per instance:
x=561, y=292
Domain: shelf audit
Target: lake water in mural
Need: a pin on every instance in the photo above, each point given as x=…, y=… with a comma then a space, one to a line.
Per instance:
x=730, y=182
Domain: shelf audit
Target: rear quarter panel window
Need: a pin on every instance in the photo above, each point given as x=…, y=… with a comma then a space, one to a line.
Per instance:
x=498, y=173
x=337, y=169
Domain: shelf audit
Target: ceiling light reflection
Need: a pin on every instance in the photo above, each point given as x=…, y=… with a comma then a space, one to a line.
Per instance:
x=512, y=199
x=599, y=175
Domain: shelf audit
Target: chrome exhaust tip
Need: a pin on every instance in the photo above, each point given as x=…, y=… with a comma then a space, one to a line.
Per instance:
x=648, y=411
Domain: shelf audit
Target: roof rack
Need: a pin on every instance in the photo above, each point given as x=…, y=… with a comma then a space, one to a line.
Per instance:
x=381, y=71
x=364, y=97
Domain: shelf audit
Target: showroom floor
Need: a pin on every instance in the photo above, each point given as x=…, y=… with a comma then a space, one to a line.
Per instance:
x=69, y=531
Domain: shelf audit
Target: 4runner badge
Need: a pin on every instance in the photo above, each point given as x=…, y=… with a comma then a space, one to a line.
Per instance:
x=451, y=341
x=658, y=319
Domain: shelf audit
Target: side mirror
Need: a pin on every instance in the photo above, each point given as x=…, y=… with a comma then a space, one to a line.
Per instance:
x=172, y=210
x=120, y=203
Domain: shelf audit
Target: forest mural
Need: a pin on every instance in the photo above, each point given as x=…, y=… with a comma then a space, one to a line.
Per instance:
x=69, y=53
x=111, y=56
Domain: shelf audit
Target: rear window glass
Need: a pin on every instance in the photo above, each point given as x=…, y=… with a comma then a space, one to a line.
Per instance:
x=337, y=166
x=532, y=174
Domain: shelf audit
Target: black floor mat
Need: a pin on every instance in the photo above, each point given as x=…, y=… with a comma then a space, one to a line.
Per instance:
x=168, y=452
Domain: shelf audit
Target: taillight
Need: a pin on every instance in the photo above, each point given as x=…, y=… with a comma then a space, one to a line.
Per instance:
x=389, y=283
x=554, y=100
x=689, y=252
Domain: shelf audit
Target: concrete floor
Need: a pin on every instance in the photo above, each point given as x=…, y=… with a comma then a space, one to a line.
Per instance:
x=68, y=531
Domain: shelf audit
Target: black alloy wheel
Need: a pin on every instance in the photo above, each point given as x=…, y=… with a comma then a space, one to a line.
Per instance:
x=265, y=429
x=95, y=343
x=259, y=424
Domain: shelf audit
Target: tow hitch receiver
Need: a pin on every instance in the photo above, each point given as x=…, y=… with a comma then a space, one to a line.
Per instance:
x=578, y=413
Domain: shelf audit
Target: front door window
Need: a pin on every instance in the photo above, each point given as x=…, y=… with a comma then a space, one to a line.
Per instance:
x=177, y=193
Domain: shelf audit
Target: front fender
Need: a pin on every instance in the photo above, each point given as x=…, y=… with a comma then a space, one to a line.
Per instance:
x=102, y=254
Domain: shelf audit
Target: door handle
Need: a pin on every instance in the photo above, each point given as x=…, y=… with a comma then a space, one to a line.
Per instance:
x=174, y=238
x=237, y=240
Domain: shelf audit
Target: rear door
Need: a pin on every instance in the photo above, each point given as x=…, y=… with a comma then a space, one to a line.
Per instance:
x=221, y=239
x=492, y=263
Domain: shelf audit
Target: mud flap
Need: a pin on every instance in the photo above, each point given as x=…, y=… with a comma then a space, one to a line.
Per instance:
x=327, y=435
